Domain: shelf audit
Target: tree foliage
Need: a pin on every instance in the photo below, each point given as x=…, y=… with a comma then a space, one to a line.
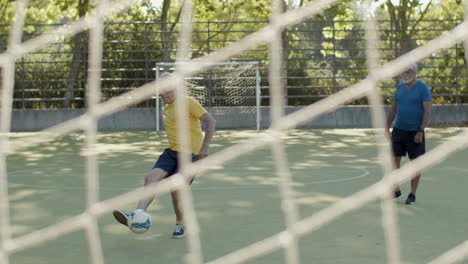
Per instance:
x=323, y=54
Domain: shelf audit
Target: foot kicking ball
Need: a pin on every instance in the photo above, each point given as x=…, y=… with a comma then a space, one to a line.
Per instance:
x=140, y=221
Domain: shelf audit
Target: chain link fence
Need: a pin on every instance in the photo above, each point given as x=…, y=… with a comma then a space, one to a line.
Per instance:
x=320, y=58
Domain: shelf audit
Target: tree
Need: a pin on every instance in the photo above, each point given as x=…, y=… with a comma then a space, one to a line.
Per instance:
x=78, y=50
x=229, y=12
x=404, y=19
x=164, y=21
x=5, y=11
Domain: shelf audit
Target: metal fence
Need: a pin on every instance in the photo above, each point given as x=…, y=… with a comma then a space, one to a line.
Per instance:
x=321, y=58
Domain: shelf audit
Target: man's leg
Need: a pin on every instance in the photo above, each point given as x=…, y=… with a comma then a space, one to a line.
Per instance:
x=398, y=151
x=396, y=165
x=155, y=175
x=177, y=204
x=179, y=230
x=165, y=165
x=414, y=186
x=415, y=183
x=176, y=201
x=415, y=150
x=396, y=162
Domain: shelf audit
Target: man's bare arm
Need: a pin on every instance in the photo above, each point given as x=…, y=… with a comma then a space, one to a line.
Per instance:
x=391, y=115
x=427, y=107
x=210, y=125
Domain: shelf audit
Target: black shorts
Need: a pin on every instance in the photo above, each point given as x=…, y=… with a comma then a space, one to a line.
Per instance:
x=403, y=142
x=168, y=162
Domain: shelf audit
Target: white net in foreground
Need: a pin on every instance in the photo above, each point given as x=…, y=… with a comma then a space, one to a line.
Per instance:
x=270, y=34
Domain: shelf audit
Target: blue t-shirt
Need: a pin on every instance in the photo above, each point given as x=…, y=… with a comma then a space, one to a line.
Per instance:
x=410, y=110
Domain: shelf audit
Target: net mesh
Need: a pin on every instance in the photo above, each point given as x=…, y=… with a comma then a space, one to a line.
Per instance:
x=229, y=84
x=271, y=137
x=226, y=88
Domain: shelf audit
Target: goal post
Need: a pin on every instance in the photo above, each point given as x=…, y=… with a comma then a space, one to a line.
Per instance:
x=230, y=91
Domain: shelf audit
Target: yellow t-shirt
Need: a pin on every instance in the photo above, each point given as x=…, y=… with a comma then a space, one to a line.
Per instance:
x=195, y=111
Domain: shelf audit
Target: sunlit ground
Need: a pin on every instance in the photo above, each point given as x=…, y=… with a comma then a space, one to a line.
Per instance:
x=239, y=203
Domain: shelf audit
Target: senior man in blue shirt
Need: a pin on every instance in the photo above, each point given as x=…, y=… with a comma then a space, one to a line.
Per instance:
x=412, y=109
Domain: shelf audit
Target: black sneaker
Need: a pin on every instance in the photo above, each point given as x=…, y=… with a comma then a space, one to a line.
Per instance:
x=411, y=199
x=397, y=194
x=121, y=217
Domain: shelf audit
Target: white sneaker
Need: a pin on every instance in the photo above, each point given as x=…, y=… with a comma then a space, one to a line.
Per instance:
x=179, y=231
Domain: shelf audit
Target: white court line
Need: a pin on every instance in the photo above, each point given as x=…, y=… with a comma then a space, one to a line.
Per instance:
x=364, y=173
x=147, y=237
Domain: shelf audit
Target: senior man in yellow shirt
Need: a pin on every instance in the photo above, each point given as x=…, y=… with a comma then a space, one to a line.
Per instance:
x=167, y=163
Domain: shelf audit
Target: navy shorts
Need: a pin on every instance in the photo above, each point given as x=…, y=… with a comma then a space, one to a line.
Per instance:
x=403, y=142
x=168, y=162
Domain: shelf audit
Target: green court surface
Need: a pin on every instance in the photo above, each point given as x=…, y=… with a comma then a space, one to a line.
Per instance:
x=238, y=204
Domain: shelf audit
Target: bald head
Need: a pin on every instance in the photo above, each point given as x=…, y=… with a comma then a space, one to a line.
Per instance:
x=167, y=95
x=164, y=75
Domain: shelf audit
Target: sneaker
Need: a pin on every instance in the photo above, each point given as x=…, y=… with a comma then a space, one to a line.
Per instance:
x=121, y=217
x=179, y=231
x=397, y=194
x=411, y=199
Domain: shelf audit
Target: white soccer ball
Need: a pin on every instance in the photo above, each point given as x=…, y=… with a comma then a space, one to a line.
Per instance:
x=140, y=221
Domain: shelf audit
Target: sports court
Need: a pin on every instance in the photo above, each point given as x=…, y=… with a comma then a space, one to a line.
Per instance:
x=237, y=204
x=287, y=192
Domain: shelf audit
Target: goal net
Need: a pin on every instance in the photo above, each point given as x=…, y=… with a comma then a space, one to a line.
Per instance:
x=287, y=239
x=230, y=91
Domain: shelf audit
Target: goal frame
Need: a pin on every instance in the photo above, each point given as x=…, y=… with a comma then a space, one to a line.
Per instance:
x=255, y=65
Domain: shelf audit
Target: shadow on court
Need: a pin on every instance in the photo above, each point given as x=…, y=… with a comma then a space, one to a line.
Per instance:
x=238, y=204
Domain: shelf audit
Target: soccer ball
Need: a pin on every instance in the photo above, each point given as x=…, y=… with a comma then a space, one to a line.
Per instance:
x=140, y=221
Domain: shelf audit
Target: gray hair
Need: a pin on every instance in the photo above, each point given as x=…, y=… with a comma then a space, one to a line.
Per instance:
x=414, y=67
